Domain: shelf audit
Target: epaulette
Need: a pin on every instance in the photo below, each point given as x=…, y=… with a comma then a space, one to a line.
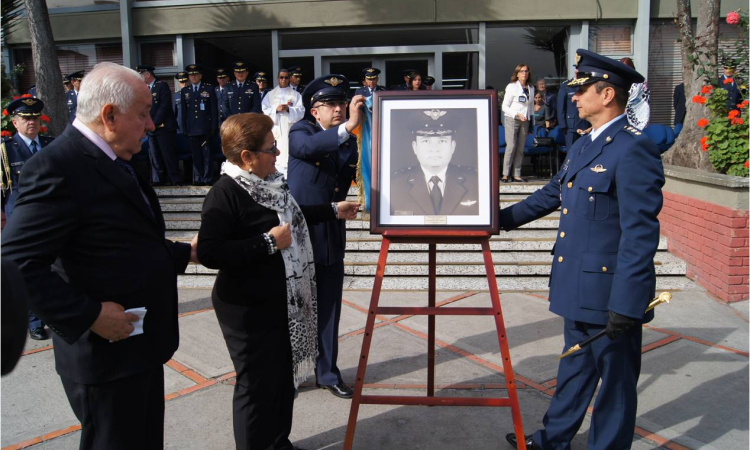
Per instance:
x=633, y=130
x=470, y=168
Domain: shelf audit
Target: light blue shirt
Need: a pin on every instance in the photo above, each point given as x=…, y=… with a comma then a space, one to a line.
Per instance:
x=28, y=141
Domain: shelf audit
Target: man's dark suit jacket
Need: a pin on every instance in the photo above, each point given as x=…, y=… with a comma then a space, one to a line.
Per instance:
x=321, y=171
x=78, y=205
x=678, y=101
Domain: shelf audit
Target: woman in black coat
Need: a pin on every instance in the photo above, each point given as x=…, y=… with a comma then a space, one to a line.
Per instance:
x=254, y=232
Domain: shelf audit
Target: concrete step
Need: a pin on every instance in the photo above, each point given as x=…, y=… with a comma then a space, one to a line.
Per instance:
x=458, y=283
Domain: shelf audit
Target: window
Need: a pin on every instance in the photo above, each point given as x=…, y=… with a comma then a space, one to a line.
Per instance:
x=380, y=37
x=213, y=52
x=460, y=70
x=613, y=40
x=158, y=54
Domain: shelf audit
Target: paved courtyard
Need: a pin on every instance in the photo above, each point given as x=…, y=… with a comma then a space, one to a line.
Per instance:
x=693, y=386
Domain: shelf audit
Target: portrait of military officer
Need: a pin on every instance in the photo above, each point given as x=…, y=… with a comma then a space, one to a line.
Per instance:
x=434, y=186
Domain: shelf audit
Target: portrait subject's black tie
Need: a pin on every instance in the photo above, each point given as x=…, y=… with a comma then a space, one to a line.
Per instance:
x=436, y=194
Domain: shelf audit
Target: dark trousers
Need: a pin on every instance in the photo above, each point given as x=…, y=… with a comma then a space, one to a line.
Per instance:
x=617, y=364
x=162, y=152
x=330, y=281
x=264, y=391
x=200, y=149
x=34, y=321
x=123, y=414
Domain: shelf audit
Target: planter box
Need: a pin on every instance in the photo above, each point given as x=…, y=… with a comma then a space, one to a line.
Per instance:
x=705, y=219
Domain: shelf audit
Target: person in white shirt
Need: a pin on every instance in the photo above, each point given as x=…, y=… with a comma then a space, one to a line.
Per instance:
x=284, y=106
x=518, y=107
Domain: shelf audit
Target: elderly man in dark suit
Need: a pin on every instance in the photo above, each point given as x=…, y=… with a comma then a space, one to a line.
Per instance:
x=82, y=204
x=435, y=186
x=322, y=165
x=603, y=275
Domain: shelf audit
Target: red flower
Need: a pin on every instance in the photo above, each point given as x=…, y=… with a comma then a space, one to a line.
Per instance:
x=699, y=99
x=728, y=80
x=744, y=104
x=5, y=112
x=16, y=97
x=704, y=143
x=733, y=113
x=707, y=89
x=733, y=18
x=5, y=133
x=43, y=129
x=747, y=164
x=738, y=121
x=44, y=118
x=26, y=96
x=702, y=123
x=704, y=139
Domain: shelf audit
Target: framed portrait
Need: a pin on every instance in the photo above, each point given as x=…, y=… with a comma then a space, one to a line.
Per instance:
x=434, y=161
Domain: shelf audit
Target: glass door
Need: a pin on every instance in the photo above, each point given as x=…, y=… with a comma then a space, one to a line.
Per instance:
x=391, y=67
x=395, y=67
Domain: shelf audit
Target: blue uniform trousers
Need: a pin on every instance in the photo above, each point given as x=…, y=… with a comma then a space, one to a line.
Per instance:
x=330, y=290
x=162, y=152
x=617, y=363
x=34, y=321
x=200, y=149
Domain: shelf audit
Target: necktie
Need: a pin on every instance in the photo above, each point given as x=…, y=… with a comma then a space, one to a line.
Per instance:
x=34, y=147
x=195, y=89
x=240, y=86
x=436, y=194
x=129, y=169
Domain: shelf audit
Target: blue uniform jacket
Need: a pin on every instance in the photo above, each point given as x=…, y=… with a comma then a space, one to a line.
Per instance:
x=364, y=90
x=221, y=99
x=567, y=113
x=71, y=99
x=609, y=232
x=161, y=108
x=18, y=153
x=200, y=112
x=321, y=171
x=238, y=101
x=177, y=109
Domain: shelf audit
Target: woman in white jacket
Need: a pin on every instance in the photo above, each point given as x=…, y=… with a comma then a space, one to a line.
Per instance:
x=518, y=107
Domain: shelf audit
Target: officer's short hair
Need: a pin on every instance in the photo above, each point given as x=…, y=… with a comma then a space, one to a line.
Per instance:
x=246, y=131
x=621, y=95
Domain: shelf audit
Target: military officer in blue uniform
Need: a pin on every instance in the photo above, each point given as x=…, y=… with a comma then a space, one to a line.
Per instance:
x=222, y=79
x=242, y=95
x=182, y=79
x=71, y=97
x=162, y=151
x=428, y=82
x=603, y=275
x=295, y=78
x=261, y=79
x=16, y=150
x=322, y=165
x=570, y=123
x=370, y=78
x=200, y=122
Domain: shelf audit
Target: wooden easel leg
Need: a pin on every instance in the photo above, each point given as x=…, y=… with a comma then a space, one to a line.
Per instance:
x=370, y=325
x=510, y=380
x=431, y=321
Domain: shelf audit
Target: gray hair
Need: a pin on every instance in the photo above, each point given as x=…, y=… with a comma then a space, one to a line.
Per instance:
x=107, y=84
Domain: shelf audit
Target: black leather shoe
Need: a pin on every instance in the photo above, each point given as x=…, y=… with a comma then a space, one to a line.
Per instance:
x=38, y=334
x=340, y=390
x=530, y=444
x=504, y=180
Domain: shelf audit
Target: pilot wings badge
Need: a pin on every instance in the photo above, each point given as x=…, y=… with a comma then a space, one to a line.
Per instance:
x=468, y=202
x=598, y=168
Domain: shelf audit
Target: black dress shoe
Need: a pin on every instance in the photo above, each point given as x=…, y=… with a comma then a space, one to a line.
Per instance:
x=519, y=180
x=340, y=390
x=38, y=334
x=530, y=444
x=504, y=180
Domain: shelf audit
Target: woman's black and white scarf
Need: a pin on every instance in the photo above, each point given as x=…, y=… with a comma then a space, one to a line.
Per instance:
x=301, y=293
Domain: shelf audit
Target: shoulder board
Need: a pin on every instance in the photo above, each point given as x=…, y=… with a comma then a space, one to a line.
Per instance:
x=467, y=168
x=6, y=139
x=402, y=171
x=207, y=84
x=632, y=130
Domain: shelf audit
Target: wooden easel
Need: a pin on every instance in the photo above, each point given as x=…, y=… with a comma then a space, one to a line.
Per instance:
x=432, y=239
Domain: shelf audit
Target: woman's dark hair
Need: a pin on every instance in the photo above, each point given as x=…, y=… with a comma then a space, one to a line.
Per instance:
x=628, y=62
x=412, y=77
x=244, y=132
x=514, y=78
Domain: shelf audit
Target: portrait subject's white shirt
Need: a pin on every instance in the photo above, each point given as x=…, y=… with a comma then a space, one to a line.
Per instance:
x=441, y=175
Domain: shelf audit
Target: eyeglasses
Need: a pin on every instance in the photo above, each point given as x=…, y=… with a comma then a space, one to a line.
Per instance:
x=523, y=71
x=332, y=105
x=270, y=151
x=283, y=78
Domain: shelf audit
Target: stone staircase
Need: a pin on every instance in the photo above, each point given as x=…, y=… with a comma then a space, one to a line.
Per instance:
x=521, y=257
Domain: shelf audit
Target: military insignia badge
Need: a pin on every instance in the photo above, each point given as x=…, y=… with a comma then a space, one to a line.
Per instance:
x=333, y=81
x=435, y=114
x=468, y=202
x=29, y=101
x=598, y=168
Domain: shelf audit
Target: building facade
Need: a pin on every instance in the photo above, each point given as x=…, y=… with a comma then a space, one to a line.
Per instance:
x=468, y=44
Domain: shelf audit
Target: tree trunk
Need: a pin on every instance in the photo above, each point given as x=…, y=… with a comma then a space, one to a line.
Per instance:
x=686, y=151
x=49, y=87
